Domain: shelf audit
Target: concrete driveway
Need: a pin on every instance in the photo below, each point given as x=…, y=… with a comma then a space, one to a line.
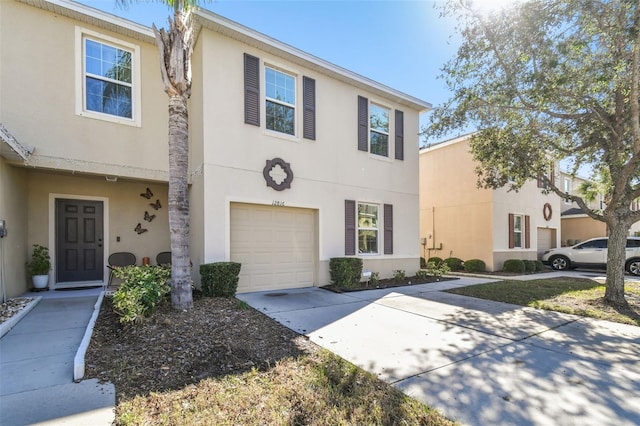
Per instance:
x=479, y=362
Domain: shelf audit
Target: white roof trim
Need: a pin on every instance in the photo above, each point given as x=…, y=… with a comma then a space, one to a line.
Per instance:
x=448, y=142
x=7, y=139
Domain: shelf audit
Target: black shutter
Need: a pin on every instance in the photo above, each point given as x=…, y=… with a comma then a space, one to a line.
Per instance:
x=309, y=108
x=349, y=227
x=251, y=90
x=363, y=124
x=399, y=135
x=512, y=239
x=527, y=233
x=388, y=229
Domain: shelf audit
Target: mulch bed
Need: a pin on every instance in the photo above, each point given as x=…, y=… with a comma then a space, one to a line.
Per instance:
x=387, y=283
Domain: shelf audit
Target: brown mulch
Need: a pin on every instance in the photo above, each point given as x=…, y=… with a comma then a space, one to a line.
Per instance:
x=171, y=349
x=388, y=283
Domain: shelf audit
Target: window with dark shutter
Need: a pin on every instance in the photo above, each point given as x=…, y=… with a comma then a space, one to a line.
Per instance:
x=309, y=108
x=527, y=234
x=399, y=135
x=349, y=227
x=388, y=229
x=511, y=234
x=363, y=124
x=251, y=90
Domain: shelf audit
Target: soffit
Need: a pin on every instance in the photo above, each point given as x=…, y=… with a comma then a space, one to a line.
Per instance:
x=10, y=148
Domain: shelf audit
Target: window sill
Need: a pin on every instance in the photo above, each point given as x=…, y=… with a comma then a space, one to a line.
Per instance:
x=110, y=118
x=380, y=158
x=278, y=135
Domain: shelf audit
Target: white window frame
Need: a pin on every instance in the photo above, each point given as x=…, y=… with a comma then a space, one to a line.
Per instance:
x=265, y=99
x=369, y=228
x=518, y=232
x=136, y=82
x=387, y=134
x=567, y=189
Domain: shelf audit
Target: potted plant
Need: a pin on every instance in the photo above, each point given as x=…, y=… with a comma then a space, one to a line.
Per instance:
x=39, y=266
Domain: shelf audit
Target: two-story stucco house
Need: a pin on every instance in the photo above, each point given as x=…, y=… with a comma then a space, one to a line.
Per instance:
x=293, y=160
x=457, y=219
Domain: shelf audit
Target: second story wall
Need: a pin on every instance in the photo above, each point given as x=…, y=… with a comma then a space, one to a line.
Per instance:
x=88, y=98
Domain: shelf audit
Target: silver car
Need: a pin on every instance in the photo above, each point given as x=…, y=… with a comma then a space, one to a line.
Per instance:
x=593, y=254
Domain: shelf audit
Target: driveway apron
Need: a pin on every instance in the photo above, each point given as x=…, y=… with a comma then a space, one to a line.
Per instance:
x=479, y=362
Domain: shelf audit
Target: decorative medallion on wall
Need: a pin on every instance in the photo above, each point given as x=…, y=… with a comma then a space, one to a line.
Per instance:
x=278, y=175
x=546, y=211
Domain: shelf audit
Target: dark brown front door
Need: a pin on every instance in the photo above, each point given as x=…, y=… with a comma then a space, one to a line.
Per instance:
x=79, y=240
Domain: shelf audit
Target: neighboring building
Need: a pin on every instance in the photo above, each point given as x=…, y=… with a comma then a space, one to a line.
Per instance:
x=293, y=160
x=576, y=225
x=457, y=219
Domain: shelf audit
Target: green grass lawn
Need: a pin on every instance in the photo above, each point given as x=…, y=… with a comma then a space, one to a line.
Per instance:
x=579, y=296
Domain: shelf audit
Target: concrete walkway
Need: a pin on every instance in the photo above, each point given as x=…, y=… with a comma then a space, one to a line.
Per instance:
x=479, y=362
x=37, y=365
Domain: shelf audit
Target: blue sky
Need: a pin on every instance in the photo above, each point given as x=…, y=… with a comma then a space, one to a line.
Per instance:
x=401, y=44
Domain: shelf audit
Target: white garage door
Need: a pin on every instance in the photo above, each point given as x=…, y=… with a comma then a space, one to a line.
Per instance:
x=275, y=245
x=546, y=240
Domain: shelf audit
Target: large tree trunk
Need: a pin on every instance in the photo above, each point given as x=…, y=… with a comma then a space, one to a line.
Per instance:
x=175, y=48
x=616, y=254
x=181, y=296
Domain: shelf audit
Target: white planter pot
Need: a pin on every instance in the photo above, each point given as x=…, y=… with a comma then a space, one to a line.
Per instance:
x=40, y=281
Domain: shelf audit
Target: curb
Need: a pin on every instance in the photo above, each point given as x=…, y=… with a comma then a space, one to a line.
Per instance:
x=6, y=326
x=78, y=360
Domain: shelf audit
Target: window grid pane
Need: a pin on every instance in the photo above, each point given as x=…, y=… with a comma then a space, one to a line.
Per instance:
x=108, y=86
x=517, y=231
x=368, y=228
x=379, y=130
x=280, y=92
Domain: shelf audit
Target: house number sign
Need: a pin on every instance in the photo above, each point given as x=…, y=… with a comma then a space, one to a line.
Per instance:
x=278, y=175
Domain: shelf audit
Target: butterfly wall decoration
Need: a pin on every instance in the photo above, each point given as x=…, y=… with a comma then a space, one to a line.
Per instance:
x=139, y=229
x=156, y=205
x=149, y=217
x=148, y=194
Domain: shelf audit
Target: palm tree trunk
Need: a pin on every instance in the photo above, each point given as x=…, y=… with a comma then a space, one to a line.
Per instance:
x=181, y=295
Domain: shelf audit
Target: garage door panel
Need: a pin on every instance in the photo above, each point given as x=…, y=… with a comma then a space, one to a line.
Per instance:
x=276, y=246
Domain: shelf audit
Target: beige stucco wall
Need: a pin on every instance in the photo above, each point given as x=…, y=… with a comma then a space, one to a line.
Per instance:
x=469, y=222
x=39, y=82
x=13, y=205
x=582, y=228
x=453, y=211
x=124, y=208
x=326, y=171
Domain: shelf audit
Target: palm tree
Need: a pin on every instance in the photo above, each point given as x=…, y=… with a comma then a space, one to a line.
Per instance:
x=175, y=46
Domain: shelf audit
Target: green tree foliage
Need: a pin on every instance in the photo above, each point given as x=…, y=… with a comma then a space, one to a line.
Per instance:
x=551, y=80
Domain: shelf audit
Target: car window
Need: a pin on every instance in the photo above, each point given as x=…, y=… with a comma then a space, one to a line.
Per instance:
x=633, y=243
x=594, y=244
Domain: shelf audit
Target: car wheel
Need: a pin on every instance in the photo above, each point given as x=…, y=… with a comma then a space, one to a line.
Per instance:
x=560, y=263
x=633, y=266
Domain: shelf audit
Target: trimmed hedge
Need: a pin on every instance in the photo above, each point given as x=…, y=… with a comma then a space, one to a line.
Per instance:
x=539, y=266
x=454, y=263
x=345, y=272
x=434, y=259
x=220, y=279
x=515, y=266
x=475, y=265
x=529, y=266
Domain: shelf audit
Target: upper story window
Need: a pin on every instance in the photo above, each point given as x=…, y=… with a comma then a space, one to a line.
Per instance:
x=379, y=130
x=109, y=79
x=567, y=189
x=280, y=96
x=376, y=126
x=282, y=100
x=367, y=228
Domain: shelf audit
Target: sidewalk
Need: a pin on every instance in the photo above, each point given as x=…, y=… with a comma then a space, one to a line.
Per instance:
x=37, y=362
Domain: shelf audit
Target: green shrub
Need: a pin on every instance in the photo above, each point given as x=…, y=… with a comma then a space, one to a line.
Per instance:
x=529, y=266
x=142, y=289
x=345, y=272
x=539, y=266
x=399, y=275
x=475, y=265
x=434, y=259
x=219, y=279
x=375, y=278
x=437, y=269
x=423, y=262
x=515, y=266
x=421, y=274
x=454, y=263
